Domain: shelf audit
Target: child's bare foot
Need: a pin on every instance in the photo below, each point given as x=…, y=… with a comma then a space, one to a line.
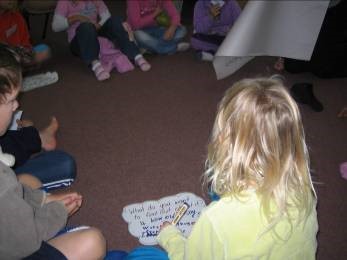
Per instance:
x=343, y=112
x=48, y=135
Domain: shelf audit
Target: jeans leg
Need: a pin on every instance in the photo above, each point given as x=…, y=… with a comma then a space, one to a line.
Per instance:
x=151, y=38
x=85, y=44
x=54, y=169
x=181, y=31
x=114, y=31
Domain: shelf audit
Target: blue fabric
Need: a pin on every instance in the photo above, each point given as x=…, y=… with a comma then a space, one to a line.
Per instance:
x=213, y=196
x=116, y=255
x=147, y=253
x=55, y=169
x=40, y=48
x=151, y=38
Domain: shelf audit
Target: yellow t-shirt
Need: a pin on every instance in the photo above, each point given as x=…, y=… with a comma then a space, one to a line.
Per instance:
x=230, y=229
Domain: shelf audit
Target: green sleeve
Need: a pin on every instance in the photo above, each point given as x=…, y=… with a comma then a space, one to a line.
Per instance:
x=202, y=243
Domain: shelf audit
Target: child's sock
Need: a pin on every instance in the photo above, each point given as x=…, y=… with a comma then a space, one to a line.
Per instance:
x=183, y=46
x=206, y=56
x=142, y=63
x=100, y=73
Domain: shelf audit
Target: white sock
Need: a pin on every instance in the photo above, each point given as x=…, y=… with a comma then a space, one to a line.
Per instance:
x=95, y=64
x=206, y=56
x=138, y=56
x=183, y=46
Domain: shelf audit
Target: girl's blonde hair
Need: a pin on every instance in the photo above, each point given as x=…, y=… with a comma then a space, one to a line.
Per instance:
x=258, y=143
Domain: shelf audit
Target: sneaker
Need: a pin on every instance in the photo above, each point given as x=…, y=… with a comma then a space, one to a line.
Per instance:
x=39, y=80
x=205, y=56
x=183, y=46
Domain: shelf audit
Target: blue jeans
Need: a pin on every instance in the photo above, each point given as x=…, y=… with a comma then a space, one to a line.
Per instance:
x=151, y=38
x=54, y=169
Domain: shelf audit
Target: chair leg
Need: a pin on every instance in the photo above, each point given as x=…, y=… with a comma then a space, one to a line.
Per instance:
x=45, y=26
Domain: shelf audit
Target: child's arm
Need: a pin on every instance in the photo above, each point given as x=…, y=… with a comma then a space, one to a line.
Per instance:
x=103, y=12
x=193, y=247
x=60, y=21
x=25, y=223
x=202, y=18
x=62, y=18
x=171, y=10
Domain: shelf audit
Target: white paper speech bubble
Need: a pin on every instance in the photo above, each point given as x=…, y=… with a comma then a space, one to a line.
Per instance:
x=144, y=219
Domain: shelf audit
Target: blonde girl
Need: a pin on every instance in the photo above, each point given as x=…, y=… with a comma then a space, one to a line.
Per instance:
x=258, y=164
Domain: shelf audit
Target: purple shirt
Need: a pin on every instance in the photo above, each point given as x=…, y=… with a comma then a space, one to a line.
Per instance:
x=204, y=22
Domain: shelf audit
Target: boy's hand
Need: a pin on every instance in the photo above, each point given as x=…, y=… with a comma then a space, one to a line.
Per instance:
x=164, y=225
x=169, y=33
x=72, y=201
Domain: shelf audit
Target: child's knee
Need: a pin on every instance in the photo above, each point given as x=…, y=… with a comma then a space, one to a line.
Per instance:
x=29, y=180
x=94, y=242
x=86, y=28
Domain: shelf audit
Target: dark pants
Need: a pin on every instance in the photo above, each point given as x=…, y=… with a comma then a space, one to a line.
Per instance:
x=54, y=169
x=210, y=38
x=85, y=44
x=21, y=143
x=45, y=252
x=330, y=52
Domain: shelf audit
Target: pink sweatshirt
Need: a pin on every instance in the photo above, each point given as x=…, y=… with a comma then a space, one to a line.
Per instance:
x=141, y=12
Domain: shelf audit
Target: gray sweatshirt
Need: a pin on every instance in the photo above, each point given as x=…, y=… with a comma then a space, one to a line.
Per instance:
x=25, y=221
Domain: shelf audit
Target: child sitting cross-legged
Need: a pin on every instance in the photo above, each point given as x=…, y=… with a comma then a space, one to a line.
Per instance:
x=91, y=29
x=258, y=164
x=30, y=218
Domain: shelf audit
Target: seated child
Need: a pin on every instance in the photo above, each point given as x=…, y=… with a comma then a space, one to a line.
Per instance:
x=212, y=21
x=35, y=153
x=86, y=21
x=156, y=25
x=258, y=164
x=14, y=32
x=30, y=219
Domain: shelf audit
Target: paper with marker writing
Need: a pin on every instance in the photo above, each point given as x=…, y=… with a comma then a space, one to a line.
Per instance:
x=17, y=115
x=144, y=219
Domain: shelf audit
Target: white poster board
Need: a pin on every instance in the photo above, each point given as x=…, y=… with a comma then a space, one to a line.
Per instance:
x=286, y=28
x=144, y=219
